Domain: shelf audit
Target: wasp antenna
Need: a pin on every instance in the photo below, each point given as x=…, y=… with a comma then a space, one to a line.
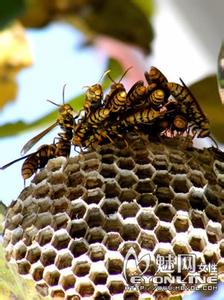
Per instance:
x=108, y=75
x=125, y=72
x=104, y=74
x=214, y=141
x=63, y=93
x=181, y=80
x=53, y=102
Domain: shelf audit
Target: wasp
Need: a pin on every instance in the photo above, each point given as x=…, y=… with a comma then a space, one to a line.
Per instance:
x=145, y=116
x=136, y=93
x=191, y=108
x=35, y=160
x=157, y=98
x=155, y=76
x=65, y=120
x=94, y=97
x=116, y=97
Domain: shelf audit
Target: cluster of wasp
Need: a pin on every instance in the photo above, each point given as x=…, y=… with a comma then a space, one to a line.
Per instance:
x=157, y=108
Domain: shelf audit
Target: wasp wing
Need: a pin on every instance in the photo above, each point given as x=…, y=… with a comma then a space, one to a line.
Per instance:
x=35, y=139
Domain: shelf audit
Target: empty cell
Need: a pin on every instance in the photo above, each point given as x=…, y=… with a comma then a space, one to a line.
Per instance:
x=77, y=228
x=61, y=239
x=112, y=240
x=96, y=252
x=147, y=200
x=95, y=235
x=165, y=212
x=116, y=286
x=47, y=257
x=63, y=260
x=44, y=236
x=128, y=209
x=180, y=184
x=126, y=179
x=130, y=232
x=60, y=220
x=94, y=217
x=51, y=277
x=93, y=196
x=78, y=247
x=108, y=171
x=33, y=254
x=126, y=163
x=144, y=171
x=76, y=193
x=147, y=219
x=81, y=268
x=110, y=206
x=111, y=189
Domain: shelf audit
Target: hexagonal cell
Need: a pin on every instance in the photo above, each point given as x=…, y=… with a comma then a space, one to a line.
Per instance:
x=29, y=235
x=77, y=228
x=108, y=158
x=76, y=193
x=164, y=233
x=33, y=254
x=15, y=235
x=116, y=286
x=102, y=295
x=63, y=260
x=145, y=171
x=142, y=158
x=60, y=205
x=181, y=223
x=56, y=178
x=145, y=186
x=147, y=219
x=94, y=216
x=19, y=250
x=147, y=200
x=126, y=179
x=111, y=188
x=181, y=247
x=67, y=280
x=44, y=205
x=51, y=276
x=178, y=168
x=57, y=293
x=57, y=191
x=77, y=178
x=25, y=222
x=197, y=240
x=112, y=240
x=91, y=165
x=44, y=236
x=198, y=219
x=94, y=180
x=114, y=265
x=61, y=239
x=77, y=209
x=147, y=240
x=181, y=202
x=108, y=171
x=81, y=268
x=85, y=288
x=125, y=247
x=95, y=235
x=41, y=191
x=96, y=252
x=113, y=223
x=93, y=196
x=78, y=247
x=48, y=256
x=197, y=199
x=165, y=212
x=130, y=230
x=210, y=256
x=197, y=179
x=126, y=163
x=181, y=184
x=160, y=162
x=110, y=206
x=37, y=272
x=128, y=209
x=162, y=178
x=128, y=195
x=131, y=295
x=43, y=220
x=164, y=194
x=42, y=288
x=98, y=275
x=60, y=220
x=213, y=213
x=23, y=266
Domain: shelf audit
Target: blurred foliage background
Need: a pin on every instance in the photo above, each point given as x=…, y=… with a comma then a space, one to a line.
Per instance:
x=125, y=32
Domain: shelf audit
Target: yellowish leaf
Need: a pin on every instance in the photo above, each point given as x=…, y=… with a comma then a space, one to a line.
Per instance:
x=15, y=54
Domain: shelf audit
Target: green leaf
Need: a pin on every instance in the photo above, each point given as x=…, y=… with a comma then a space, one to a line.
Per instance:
x=123, y=20
x=147, y=7
x=11, y=129
x=9, y=10
x=206, y=93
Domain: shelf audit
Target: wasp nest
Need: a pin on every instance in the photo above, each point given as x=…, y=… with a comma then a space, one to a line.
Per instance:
x=71, y=229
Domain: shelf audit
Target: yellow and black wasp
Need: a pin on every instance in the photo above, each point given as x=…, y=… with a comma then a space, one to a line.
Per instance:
x=155, y=76
x=35, y=160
